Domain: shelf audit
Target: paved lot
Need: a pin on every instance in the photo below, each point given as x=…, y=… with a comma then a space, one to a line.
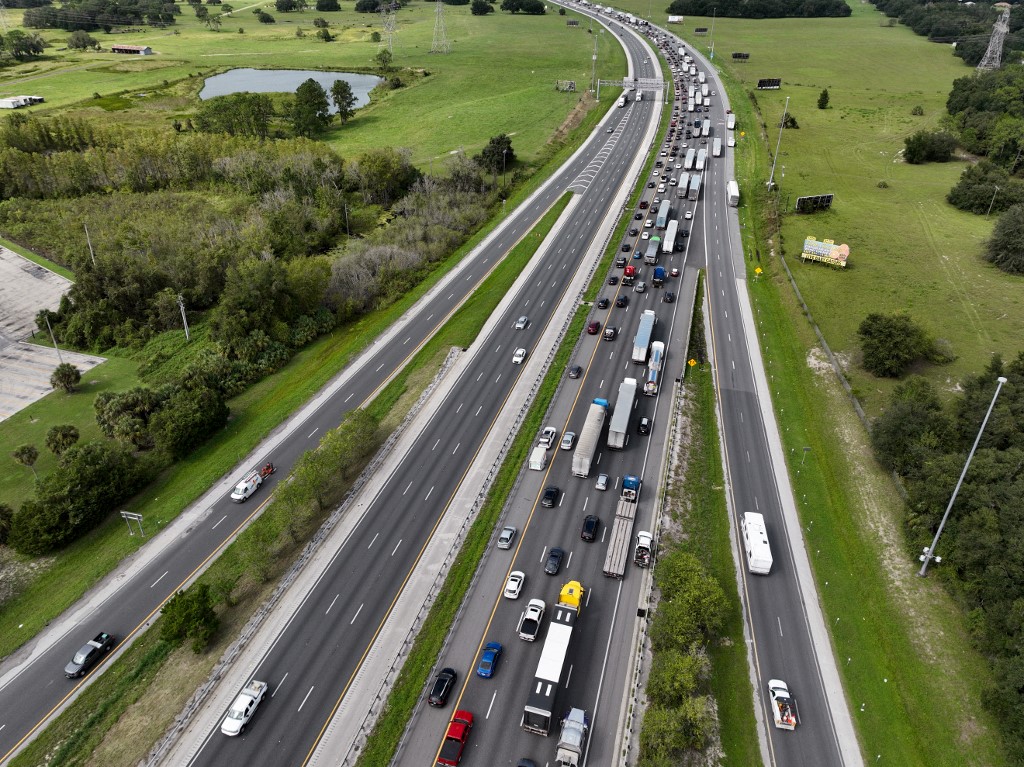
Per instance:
x=25, y=368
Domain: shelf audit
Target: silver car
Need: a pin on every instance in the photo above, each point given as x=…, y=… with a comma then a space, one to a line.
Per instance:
x=508, y=534
x=602, y=482
x=522, y=322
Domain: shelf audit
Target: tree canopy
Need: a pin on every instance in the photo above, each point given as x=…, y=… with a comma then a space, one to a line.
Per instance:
x=310, y=111
x=1006, y=246
x=760, y=9
x=890, y=343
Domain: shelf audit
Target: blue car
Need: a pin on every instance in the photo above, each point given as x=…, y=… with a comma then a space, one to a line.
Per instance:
x=488, y=660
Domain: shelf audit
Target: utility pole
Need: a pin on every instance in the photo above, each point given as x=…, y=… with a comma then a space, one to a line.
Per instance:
x=771, y=179
x=54, y=339
x=184, y=320
x=593, y=68
x=929, y=553
x=89, y=240
x=992, y=202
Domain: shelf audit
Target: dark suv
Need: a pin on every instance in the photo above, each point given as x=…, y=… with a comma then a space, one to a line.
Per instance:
x=442, y=687
x=554, y=563
x=550, y=497
x=590, y=527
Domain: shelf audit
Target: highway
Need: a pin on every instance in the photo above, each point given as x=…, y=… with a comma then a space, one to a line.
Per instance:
x=128, y=599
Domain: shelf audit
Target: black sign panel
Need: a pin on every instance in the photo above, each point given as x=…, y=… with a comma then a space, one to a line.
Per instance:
x=769, y=83
x=741, y=56
x=813, y=203
x=700, y=30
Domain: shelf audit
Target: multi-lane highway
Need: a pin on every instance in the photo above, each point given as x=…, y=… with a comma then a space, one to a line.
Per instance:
x=128, y=599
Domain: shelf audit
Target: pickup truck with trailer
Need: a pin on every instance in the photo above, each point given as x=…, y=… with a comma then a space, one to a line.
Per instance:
x=89, y=655
x=530, y=620
x=590, y=436
x=572, y=738
x=643, y=549
x=622, y=528
x=242, y=710
x=783, y=705
x=455, y=739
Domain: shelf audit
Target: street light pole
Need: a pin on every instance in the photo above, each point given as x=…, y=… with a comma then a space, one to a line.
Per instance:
x=992, y=202
x=771, y=178
x=503, y=153
x=929, y=553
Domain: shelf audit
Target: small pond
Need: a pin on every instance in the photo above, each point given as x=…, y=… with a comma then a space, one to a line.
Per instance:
x=285, y=81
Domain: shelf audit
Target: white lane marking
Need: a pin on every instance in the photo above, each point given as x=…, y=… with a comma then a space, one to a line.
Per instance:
x=456, y=448
x=493, y=696
x=407, y=488
x=286, y=673
x=379, y=367
x=396, y=547
x=219, y=521
x=436, y=444
x=356, y=615
x=328, y=610
x=407, y=340
x=478, y=410
x=459, y=408
x=350, y=396
x=313, y=432
x=780, y=624
x=307, y=697
x=370, y=544
x=429, y=492
x=160, y=578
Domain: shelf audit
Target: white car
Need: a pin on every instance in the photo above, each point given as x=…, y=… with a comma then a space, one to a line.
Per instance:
x=649, y=223
x=548, y=437
x=568, y=439
x=645, y=235
x=508, y=534
x=514, y=584
x=689, y=215
x=732, y=141
x=679, y=166
x=522, y=322
x=640, y=287
x=519, y=357
x=602, y=482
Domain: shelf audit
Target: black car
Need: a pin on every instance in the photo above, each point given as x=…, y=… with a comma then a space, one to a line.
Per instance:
x=575, y=371
x=637, y=216
x=644, y=427
x=625, y=247
x=622, y=302
x=442, y=687
x=613, y=280
x=550, y=497
x=602, y=303
x=620, y=262
x=590, y=527
x=685, y=232
x=634, y=232
x=650, y=185
x=669, y=298
x=89, y=655
x=610, y=332
x=554, y=563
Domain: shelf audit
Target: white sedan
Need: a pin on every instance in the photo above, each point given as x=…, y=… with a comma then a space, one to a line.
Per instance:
x=519, y=357
x=645, y=236
x=514, y=584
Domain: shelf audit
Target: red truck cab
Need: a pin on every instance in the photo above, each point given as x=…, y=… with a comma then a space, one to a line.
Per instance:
x=455, y=739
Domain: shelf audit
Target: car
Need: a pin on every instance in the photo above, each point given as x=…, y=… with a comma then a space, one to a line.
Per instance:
x=669, y=297
x=650, y=185
x=489, y=660
x=704, y=141
x=644, y=204
x=648, y=223
x=613, y=280
x=663, y=154
x=622, y=301
x=688, y=215
x=519, y=356
x=634, y=232
x=522, y=322
x=626, y=247
x=685, y=145
x=550, y=497
x=603, y=303
x=575, y=371
x=514, y=584
x=640, y=287
x=672, y=182
x=644, y=427
x=610, y=130
x=89, y=655
x=443, y=685
x=675, y=271
x=548, y=437
x=659, y=163
x=610, y=332
x=731, y=141
x=554, y=563
x=679, y=166
x=602, y=482
x=684, y=232
x=645, y=236
x=638, y=254
x=591, y=524
x=594, y=328
x=507, y=535
x=637, y=216
x=568, y=439
x=714, y=93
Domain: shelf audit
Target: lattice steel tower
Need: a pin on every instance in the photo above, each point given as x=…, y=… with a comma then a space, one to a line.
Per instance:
x=390, y=27
x=994, y=54
x=440, y=44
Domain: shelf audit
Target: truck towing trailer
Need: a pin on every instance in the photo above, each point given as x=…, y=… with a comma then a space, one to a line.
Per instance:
x=643, y=549
x=590, y=436
x=783, y=705
x=620, y=416
x=538, y=714
x=622, y=528
x=572, y=738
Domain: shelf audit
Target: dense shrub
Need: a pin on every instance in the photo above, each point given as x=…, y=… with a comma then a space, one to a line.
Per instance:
x=890, y=343
x=1006, y=246
x=926, y=146
x=986, y=187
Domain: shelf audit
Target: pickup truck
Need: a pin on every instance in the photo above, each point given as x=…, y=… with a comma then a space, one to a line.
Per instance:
x=243, y=708
x=455, y=739
x=530, y=620
x=783, y=705
x=89, y=655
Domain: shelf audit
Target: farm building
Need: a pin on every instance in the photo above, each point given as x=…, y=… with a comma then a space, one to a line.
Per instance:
x=137, y=50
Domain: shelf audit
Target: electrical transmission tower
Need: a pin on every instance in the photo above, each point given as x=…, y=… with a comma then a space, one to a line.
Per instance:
x=994, y=54
x=3, y=16
x=389, y=12
x=440, y=44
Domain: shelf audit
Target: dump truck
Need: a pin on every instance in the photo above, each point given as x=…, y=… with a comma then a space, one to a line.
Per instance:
x=572, y=738
x=642, y=340
x=243, y=708
x=590, y=436
x=455, y=739
x=622, y=528
x=531, y=619
x=620, y=416
x=783, y=705
x=538, y=714
x=643, y=550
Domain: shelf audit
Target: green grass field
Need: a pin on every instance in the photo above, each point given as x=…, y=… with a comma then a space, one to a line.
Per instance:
x=499, y=77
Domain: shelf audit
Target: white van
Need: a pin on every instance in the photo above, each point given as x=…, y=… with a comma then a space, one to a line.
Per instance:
x=639, y=95
x=539, y=458
x=755, y=543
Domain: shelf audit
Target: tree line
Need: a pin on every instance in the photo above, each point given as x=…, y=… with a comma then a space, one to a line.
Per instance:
x=760, y=9
x=90, y=15
x=927, y=444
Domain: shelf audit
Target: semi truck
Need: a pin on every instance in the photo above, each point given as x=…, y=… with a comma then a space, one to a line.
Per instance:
x=669, y=243
x=658, y=279
x=622, y=528
x=629, y=275
x=644, y=549
x=694, y=186
x=642, y=340
x=691, y=155
x=619, y=425
x=684, y=184
x=705, y=128
x=733, y=191
x=663, y=212
x=590, y=435
x=531, y=619
x=704, y=90
x=702, y=159
x=716, y=148
x=540, y=704
x=657, y=363
x=701, y=77
x=244, y=707
x=653, y=245
x=572, y=738
x=455, y=739
x=783, y=705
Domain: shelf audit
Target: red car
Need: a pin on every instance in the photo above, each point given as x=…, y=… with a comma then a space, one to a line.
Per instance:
x=594, y=328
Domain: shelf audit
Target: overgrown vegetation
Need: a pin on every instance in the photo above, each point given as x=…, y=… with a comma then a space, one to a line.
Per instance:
x=760, y=9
